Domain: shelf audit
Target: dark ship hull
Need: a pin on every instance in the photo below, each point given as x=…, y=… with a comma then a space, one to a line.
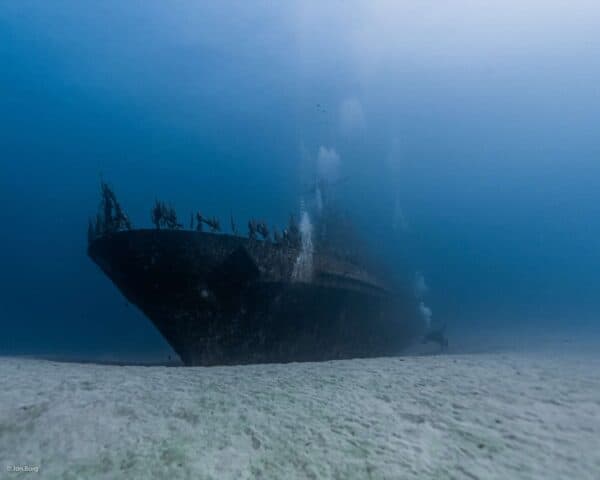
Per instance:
x=224, y=299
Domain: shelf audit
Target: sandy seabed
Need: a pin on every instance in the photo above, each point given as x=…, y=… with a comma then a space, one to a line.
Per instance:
x=494, y=415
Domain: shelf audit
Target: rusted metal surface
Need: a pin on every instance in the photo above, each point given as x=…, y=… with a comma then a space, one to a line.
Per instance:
x=225, y=299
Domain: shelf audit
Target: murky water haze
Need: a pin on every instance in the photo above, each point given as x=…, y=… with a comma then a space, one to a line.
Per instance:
x=463, y=138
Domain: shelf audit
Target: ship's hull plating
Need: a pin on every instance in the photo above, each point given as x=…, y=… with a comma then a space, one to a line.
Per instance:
x=219, y=299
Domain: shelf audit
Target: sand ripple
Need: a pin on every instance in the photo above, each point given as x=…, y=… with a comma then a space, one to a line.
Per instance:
x=469, y=416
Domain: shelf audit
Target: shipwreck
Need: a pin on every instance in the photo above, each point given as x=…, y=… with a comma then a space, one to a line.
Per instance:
x=268, y=296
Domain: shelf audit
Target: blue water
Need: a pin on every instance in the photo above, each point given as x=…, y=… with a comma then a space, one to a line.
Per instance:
x=466, y=138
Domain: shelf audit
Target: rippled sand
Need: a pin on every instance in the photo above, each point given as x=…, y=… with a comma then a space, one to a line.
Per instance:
x=486, y=416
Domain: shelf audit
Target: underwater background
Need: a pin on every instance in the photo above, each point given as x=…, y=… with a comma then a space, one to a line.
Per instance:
x=463, y=135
